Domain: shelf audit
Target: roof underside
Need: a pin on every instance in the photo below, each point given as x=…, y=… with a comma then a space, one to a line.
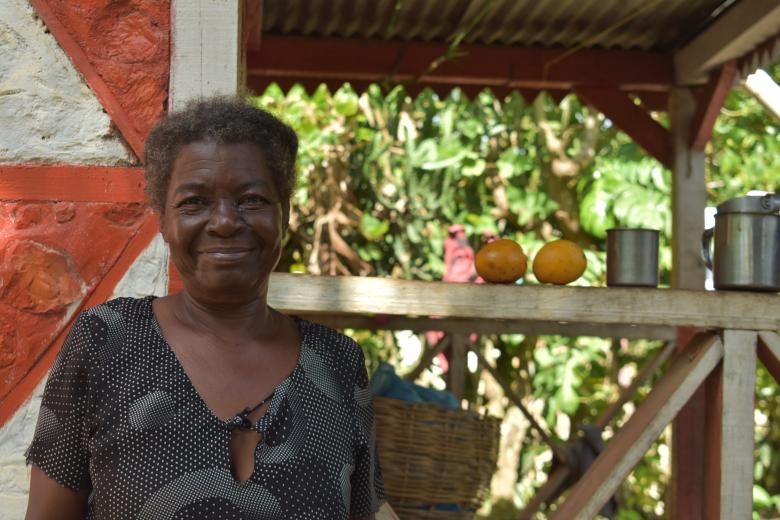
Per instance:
x=649, y=25
x=641, y=47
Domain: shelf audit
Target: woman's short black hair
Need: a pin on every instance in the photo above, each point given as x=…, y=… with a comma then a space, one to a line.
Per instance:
x=224, y=120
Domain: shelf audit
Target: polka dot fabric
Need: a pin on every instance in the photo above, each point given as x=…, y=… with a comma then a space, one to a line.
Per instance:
x=120, y=415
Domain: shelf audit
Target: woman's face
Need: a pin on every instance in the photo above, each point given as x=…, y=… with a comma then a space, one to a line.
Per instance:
x=223, y=221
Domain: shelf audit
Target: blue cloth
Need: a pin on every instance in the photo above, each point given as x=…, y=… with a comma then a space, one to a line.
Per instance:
x=386, y=383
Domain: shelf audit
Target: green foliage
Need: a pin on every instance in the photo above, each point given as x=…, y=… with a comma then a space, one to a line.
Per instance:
x=382, y=176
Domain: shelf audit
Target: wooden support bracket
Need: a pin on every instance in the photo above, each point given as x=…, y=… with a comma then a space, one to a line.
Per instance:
x=623, y=452
x=709, y=102
x=631, y=118
x=769, y=352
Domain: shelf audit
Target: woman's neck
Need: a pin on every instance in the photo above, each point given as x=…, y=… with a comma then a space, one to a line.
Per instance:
x=235, y=322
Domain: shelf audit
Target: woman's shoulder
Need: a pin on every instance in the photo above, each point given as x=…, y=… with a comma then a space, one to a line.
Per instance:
x=336, y=349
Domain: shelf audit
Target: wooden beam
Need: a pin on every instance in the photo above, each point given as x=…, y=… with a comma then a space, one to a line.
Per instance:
x=687, y=485
x=765, y=90
x=252, y=25
x=769, y=352
x=338, y=60
x=708, y=507
x=33, y=182
x=632, y=119
x=709, y=103
x=480, y=326
x=333, y=295
x=737, y=428
x=630, y=443
x=206, y=50
x=734, y=33
x=688, y=195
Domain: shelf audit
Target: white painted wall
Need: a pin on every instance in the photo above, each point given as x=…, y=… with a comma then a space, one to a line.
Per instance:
x=15, y=436
x=48, y=112
x=148, y=274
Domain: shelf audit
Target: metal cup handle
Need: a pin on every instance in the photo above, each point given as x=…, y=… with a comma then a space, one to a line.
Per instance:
x=706, y=240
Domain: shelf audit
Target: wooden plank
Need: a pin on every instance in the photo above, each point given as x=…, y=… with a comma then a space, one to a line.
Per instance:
x=626, y=448
x=206, y=50
x=769, y=352
x=480, y=326
x=309, y=294
x=710, y=102
x=631, y=118
x=734, y=33
x=32, y=182
x=736, y=455
x=338, y=60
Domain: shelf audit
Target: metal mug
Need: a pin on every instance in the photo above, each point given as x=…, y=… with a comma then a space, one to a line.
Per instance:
x=746, y=244
x=632, y=257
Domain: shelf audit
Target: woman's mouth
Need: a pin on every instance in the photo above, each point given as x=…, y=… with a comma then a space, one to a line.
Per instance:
x=226, y=255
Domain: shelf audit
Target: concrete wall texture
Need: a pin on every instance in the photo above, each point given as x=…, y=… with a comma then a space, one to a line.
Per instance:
x=54, y=253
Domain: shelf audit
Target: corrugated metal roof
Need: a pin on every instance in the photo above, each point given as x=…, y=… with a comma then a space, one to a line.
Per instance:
x=655, y=25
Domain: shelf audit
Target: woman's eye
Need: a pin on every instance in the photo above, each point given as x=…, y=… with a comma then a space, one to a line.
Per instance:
x=192, y=203
x=254, y=201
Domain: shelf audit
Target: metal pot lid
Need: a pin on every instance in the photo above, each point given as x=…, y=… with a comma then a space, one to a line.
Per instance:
x=767, y=204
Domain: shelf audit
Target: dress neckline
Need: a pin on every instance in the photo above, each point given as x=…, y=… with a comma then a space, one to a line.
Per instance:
x=277, y=395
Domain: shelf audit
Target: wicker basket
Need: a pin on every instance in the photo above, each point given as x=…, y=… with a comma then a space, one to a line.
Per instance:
x=431, y=455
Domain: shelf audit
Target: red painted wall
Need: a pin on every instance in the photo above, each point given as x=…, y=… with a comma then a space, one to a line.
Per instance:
x=58, y=254
x=127, y=42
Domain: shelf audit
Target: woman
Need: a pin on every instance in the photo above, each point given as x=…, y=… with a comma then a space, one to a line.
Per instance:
x=208, y=403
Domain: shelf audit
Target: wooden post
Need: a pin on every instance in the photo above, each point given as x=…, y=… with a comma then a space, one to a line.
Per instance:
x=206, y=54
x=688, y=201
x=206, y=59
x=739, y=386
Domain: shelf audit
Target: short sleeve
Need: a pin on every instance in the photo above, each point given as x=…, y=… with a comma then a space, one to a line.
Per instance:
x=367, y=487
x=59, y=445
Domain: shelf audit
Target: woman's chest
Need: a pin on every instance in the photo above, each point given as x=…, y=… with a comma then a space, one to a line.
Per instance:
x=155, y=440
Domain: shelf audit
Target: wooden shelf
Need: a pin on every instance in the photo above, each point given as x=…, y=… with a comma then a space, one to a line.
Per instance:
x=602, y=311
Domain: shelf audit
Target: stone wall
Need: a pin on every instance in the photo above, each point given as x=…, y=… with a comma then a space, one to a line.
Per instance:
x=54, y=253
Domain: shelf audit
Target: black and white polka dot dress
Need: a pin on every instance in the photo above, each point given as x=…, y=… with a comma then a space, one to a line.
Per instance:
x=120, y=415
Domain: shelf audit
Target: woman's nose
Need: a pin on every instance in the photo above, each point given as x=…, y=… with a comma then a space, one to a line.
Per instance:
x=225, y=218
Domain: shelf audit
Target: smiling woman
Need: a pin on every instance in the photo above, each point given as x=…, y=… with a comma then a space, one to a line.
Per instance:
x=208, y=403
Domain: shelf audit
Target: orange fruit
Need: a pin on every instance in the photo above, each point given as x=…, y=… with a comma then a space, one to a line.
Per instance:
x=501, y=261
x=559, y=262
